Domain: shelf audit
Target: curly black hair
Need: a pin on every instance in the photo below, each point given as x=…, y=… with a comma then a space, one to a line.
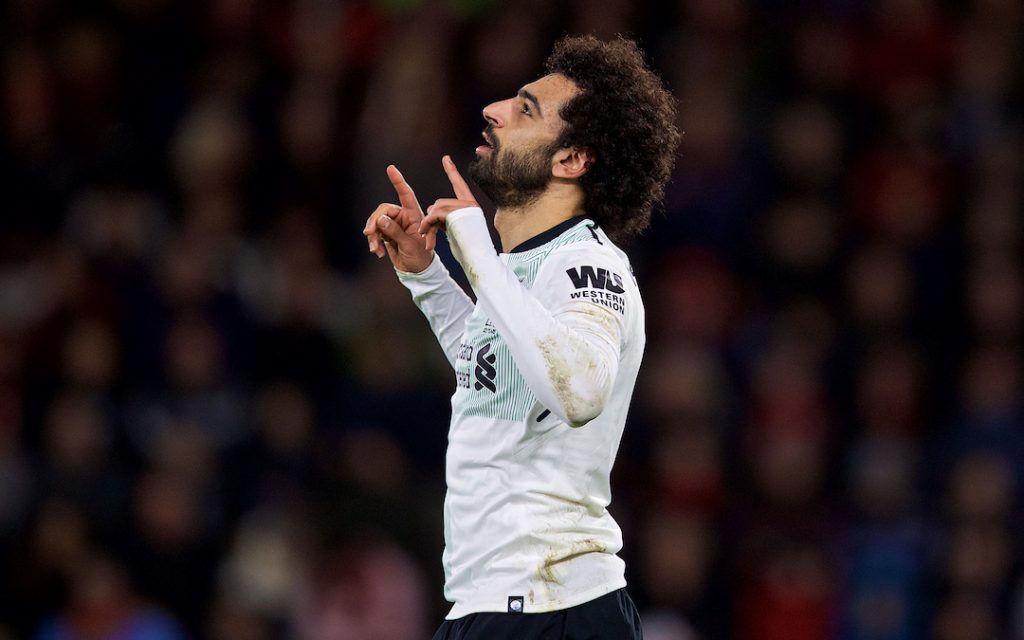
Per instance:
x=626, y=119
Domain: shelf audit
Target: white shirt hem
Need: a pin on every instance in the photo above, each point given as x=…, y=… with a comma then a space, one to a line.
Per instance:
x=488, y=605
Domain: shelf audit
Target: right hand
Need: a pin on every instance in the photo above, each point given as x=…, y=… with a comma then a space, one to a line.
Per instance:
x=394, y=229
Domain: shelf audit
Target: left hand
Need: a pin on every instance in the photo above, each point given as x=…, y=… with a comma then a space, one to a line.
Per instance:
x=438, y=212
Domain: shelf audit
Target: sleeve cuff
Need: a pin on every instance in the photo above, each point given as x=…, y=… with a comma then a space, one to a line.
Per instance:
x=468, y=235
x=435, y=272
x=466, y=212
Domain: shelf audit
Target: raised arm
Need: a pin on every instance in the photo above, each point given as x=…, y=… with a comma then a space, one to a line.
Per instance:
x=566, y=348
x=393, y=230
x=443, y=302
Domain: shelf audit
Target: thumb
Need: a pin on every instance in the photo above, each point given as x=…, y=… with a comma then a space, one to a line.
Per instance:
x=393, y=231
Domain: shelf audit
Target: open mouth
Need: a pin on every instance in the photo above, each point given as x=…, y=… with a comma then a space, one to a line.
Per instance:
x=488, y=147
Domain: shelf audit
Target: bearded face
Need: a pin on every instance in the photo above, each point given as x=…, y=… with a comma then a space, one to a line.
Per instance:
x=512, y=177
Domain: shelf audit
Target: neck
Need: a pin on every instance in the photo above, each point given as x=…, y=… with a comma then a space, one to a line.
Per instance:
x=516, y=225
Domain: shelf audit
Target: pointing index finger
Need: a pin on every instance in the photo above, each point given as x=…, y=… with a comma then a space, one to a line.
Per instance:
x=462, y=191
x=402, y=188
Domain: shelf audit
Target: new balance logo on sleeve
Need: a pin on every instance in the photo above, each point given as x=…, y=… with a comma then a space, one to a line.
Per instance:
x=515, y=604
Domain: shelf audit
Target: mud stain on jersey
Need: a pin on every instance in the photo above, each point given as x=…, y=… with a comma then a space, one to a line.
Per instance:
x=559, y=373
x=471, y=275
x=548, y=569
x=604, y=318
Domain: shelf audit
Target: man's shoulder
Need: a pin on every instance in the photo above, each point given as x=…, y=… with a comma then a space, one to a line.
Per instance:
x=593, y=270
x=589, y=245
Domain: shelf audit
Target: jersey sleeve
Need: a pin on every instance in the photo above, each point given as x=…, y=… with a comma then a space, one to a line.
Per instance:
x=443, y=302
x=565, y=344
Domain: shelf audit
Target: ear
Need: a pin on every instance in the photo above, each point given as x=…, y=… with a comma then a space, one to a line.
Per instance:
x=570, y=163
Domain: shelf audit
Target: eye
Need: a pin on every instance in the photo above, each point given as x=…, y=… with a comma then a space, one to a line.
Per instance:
x=526, y=108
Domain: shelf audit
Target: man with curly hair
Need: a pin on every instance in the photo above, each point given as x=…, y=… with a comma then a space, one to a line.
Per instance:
x=546, y=359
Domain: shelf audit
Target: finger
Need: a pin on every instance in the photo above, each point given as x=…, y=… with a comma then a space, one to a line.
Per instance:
x=402, y=188
x=431, y=221
x=430, y=238
x=387, y=209
x=393, y=232
x=462, y=191
x=428, y=230
x=437, y=213
x=374, y=242
x=451, y=204
x=371, y=231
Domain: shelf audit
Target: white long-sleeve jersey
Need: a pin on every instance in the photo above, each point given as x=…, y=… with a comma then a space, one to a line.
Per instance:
x=545, y=365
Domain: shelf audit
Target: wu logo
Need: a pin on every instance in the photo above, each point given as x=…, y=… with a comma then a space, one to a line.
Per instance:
x=586, y=277
x=485, y=371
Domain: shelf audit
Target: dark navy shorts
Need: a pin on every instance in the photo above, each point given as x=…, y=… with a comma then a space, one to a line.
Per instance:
x=610, y=617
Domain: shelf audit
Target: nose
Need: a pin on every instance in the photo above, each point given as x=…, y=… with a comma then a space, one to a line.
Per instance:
x=492, y=114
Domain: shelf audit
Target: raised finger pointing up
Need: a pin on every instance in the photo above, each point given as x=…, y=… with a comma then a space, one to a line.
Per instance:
x=406, y=196
x=462, y=191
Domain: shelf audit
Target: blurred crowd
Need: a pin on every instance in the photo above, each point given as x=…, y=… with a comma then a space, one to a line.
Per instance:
x=220, y=417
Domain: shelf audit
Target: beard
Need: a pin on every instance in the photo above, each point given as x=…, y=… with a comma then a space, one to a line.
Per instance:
x=512, y=179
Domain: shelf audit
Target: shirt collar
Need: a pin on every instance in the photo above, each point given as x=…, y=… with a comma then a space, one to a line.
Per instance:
x=547, y=236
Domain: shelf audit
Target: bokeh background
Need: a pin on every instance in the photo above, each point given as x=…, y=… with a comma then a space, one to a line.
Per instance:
x=221, y=418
